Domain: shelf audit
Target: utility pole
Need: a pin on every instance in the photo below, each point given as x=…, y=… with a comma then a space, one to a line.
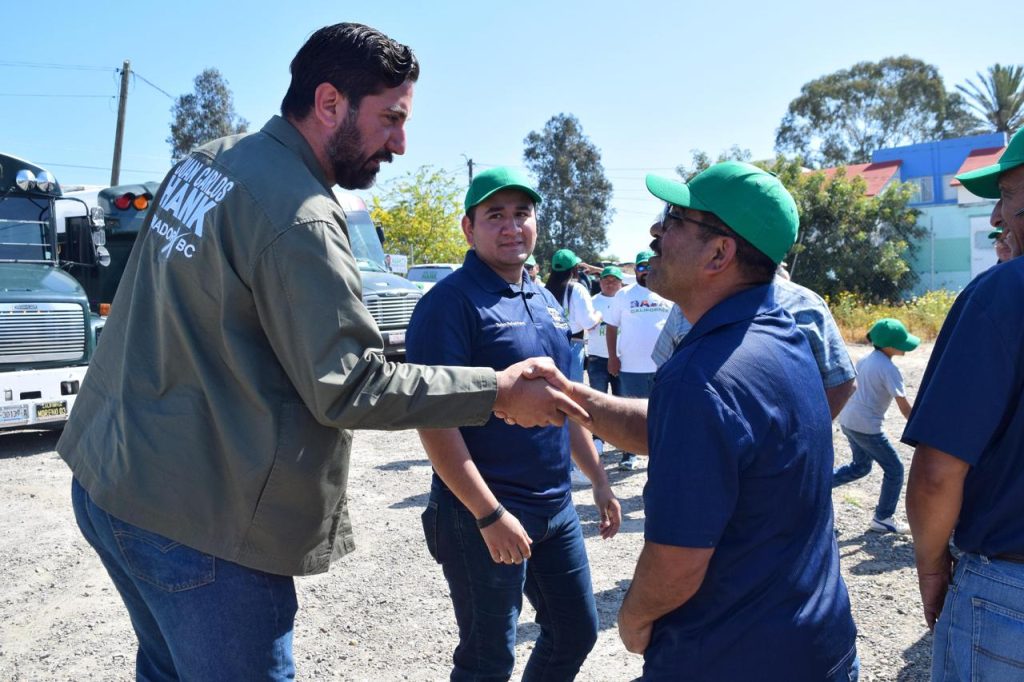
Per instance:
x=469, y=165
x=122, y=101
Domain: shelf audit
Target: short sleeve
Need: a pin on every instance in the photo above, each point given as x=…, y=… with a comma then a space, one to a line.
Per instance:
x=581, y=311
x=971, y=379
x=819, y=328
x=697, y=448
x=441, y=329
x=894, y=382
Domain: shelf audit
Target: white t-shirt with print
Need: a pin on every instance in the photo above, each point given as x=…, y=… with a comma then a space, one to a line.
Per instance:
x=578, y=309
x=597, y=343
x=640, y=315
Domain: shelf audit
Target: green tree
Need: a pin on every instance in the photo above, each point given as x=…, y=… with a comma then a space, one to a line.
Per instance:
x=204, y=115
x=420, y=214
x=575, y=212
x=842, y=117
x=849, y=241
x=997, y=98
x=701, y=160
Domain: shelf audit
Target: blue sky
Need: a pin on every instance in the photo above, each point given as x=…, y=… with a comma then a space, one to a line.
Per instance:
x=649, y=81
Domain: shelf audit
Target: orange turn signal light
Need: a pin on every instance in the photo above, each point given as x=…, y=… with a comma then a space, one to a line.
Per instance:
x=141, y=202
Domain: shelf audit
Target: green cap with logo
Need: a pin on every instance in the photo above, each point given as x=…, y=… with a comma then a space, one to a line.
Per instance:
x=751, y=201
x=496, y=179
x=890, y=333
x=612, y=271
x=984, y=182
x=644, y=256
x=564, y=259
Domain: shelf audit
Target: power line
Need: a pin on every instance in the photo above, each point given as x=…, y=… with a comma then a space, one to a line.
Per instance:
x=29, y=94
x=66, y=67
x=102, y=168
x=152, y=85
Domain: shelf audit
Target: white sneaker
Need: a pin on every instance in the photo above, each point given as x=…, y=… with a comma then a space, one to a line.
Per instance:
x=578, y=477
x=889, y=525
x=629, y=462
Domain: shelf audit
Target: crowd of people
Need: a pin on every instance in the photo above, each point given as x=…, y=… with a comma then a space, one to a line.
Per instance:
x=210, y=443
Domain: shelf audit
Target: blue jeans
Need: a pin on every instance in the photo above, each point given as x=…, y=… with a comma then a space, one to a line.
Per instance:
x=979, y=633
x=868, y=448
x=579, y=353
x=600, y=379
x=488, y=596
x=636, y=384
x=197, y=617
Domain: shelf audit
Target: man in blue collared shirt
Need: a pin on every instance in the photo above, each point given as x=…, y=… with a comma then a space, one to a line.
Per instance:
x=500, y=519
x=739, y=574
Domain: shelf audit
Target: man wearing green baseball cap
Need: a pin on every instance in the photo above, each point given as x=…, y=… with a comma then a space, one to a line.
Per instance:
x=740, y=569
x=488, y=313
x=1003, y=180
x=969, y=481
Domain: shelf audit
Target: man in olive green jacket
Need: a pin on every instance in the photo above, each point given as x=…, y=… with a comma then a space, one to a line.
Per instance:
x=209, y=444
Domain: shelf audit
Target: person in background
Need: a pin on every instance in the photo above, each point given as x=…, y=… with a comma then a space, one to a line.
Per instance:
x=500, y=519
x=578, y=309
x=634, y=322
x=879, y=382
x=531, y=268
x=597, y=346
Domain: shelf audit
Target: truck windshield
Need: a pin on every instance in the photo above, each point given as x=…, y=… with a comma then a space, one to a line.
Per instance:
x=365, y=244
x=25, y=230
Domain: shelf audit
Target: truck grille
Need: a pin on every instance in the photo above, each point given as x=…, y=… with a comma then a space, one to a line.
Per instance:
x=41, y=332
x=392, y=311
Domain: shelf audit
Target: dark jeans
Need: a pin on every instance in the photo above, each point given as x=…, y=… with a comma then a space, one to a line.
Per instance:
x=488, y=597
x=196, y=617
x=868, y=448
x=600, y=379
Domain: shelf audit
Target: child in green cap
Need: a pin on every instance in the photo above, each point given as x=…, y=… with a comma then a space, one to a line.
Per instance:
x=879, y=382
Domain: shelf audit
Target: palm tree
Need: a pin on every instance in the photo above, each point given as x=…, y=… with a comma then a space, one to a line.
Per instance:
x=998, y=98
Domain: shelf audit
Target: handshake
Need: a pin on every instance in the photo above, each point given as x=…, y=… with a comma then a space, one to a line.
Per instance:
x=534, y=393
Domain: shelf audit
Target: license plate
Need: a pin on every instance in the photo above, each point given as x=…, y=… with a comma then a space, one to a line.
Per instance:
x=396, y=338
x=55, y=410
x=14, y=414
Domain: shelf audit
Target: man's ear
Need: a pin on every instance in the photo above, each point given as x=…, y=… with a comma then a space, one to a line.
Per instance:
x=330, y=106
x=723, y=255
x=467, y=229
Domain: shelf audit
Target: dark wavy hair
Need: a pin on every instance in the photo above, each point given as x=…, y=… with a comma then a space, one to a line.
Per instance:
x=356, y=59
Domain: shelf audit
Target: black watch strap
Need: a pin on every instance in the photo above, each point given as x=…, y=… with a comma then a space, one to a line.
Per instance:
x=490, y=518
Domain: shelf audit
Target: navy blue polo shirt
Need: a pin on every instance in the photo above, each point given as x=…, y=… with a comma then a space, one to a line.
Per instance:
x=474, y=318
x=971, y=405
x=741, y=461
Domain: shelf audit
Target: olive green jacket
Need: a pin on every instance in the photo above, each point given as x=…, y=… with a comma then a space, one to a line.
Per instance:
x=237, y=353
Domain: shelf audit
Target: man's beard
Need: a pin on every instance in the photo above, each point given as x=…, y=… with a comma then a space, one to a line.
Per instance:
x=642, y=280
x=345, y=152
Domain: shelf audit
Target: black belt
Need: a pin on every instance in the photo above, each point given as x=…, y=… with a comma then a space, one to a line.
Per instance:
x=578, y=336
x=1010, y=556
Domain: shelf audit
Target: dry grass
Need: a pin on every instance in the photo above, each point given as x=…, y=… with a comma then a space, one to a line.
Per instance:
x=923, y=315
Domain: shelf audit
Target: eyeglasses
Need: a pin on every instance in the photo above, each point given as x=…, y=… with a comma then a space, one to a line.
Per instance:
x=641, y=268
x=668, y=215
x=529, y=267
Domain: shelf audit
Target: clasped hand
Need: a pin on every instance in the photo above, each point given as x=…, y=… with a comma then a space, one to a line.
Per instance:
x=534, y=393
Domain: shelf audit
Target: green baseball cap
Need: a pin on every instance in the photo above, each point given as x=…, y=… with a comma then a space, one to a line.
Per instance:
x=564, y=259
x=531, y=261
x=612, y=271
x=984, y=182
x=494, y=180
x=644, y=256
x=890, y=333
x=751, y=201
x=996, y=233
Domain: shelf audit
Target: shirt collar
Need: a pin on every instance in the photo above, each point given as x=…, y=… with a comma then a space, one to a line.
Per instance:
x=284, y=132
x=488, y=280
x=745, y=305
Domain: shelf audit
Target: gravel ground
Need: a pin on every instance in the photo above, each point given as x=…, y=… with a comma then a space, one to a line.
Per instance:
x=383, y=612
